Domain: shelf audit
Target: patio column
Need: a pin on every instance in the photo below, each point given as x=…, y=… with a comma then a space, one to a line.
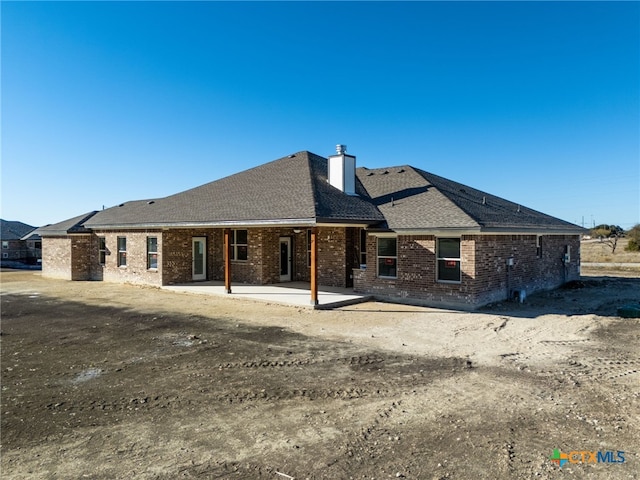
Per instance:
x=314, y=266
x=227, y=260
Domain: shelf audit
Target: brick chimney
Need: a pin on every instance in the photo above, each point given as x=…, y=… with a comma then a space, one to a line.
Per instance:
x=342, y=170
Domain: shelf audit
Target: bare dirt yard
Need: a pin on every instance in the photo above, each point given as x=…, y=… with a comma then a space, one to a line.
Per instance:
x=120, y=381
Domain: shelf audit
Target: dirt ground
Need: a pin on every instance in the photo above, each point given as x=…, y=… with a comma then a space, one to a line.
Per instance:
x=118, y=381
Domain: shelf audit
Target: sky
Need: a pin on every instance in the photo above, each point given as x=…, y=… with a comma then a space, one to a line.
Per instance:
x=105, y=102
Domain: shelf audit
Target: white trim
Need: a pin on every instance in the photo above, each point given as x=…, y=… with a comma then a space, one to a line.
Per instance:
x=450, y=259
x=287, y=241
x=234, y=245
x=378, y=257
x=239, y=224
x=203, y=275
x=455, y=232
x=383, y=234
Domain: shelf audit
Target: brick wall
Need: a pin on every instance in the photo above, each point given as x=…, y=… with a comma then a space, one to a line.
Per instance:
x=77, y=257
x=484, y=275
x=136, y=270
x=68, y=258
x=495, y=281
x=332, y=260
x=56, y=257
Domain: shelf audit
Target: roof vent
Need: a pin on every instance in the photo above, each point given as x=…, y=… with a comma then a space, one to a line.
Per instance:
x=151, y=202
x=340, y=149
x=121, y=205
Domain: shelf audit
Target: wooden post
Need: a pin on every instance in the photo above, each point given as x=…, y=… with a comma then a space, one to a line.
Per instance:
x=314, y=266
x=227, y=260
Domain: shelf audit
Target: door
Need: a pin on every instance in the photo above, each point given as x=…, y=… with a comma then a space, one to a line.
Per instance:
x=199, y=257
x=285, y=259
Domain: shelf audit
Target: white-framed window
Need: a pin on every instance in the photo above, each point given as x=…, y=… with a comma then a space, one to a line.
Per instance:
x=387, y=252
x=239, y=245
x=5, y=245
x=363, y=247
x=152, y=252
x=5, y=255
x=448, y=258
x=122, y=251
x=102, y=250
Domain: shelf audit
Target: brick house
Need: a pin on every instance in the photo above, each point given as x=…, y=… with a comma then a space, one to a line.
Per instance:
x=18, y=242
x=399, y=233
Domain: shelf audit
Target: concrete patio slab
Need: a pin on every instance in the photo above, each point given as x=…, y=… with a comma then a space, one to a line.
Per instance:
x=290, y=293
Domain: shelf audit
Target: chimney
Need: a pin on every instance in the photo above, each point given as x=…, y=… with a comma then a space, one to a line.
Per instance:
x=342, y=170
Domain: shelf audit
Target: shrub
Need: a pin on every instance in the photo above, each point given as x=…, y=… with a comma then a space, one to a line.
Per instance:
x=634, y=239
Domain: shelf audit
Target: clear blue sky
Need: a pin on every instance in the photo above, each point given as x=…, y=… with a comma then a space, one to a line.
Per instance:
x=104, y=102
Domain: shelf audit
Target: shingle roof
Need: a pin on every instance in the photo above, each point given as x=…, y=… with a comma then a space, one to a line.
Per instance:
x=294, y=190
x=291, y=189
x=412, y=199
x=12, y=230
x=72, y=225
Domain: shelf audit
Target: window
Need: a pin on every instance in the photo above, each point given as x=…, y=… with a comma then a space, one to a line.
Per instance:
x=39, y=245
x=102, y=250
x=5, y=245
x=152, y=252
x=448, y=250
x=239, y=246
x=539, y=246
x=363, y=247
x=122, y=251
x=5, y=255
x=387, y=257
x=309, y=248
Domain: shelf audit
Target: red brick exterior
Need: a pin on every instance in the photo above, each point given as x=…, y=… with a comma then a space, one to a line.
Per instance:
x=77, y=257
x=485, y=277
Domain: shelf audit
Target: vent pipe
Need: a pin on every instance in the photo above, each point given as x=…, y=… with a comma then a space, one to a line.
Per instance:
x=342, y=170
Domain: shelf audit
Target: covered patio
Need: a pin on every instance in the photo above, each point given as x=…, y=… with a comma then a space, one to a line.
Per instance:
x=289, y=293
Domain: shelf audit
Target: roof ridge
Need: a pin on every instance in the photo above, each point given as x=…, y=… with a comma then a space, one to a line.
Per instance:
x=314, y=192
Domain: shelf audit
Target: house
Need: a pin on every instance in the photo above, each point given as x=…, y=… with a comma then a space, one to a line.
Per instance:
x=18, y=243
x=399, y=233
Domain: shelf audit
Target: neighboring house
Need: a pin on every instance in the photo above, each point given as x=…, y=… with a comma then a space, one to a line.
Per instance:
x=399, y=233
x=16, y=247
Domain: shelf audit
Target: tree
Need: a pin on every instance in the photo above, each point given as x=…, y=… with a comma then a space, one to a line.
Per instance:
x=608, y=234
x=634, y=239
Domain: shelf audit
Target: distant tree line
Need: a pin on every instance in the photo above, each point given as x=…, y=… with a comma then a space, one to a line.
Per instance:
x=609, y=235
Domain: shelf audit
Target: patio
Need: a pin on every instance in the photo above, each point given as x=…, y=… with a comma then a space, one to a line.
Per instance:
x=290, y=293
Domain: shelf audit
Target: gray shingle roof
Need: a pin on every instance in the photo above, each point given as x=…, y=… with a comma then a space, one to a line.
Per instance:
x=72, y=225
x=291, y=189
x=412, y=199
x=294, y=190
x=12, y=230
